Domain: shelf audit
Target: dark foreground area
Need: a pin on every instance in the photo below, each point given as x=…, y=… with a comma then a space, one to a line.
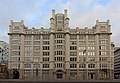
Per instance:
x=57, y=81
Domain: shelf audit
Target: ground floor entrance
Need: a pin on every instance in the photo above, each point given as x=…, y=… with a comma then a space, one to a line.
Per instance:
x=59, y=74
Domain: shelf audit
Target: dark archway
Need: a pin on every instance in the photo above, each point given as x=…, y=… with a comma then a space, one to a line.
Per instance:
x=59, y=74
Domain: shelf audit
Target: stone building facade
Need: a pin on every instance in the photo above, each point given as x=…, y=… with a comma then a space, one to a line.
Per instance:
x=61, y=52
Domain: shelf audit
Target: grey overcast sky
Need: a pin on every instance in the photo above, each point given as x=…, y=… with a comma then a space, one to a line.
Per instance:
x=82, y=13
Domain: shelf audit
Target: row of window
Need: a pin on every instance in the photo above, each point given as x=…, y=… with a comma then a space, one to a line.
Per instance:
x=57, y=41
x=81, y=37
x=37, y=37
x=82, y=65
x=61, y=65
x=74, y=53
x=37, y=43
x=37, y=53
x=37, y=59
x=36, y=48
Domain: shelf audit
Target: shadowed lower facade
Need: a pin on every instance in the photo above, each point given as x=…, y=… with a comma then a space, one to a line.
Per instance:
x=61, y=52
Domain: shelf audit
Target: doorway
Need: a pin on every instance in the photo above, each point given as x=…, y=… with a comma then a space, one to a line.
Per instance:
x=91, y=75
x=59, y=76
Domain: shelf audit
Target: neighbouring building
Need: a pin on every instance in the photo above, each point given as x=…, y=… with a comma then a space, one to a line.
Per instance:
x=4, y=52
x=61, y=52
x=117, y=63
x=3, y=59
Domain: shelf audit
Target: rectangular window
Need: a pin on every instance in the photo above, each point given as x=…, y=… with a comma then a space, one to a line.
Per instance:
x=103, y=47
x=16, y=65
x=73, y=47
x=27, y=58
x=27, y=73
x=82, y=65
x=103, y=65
x=15, y=36
x=103, y=36
x=45, y=73
x=82, y=48
x=73, y=37
x=27, y=53
x=36, y=47
x=36, y=65
x=82, y=42
x=45, y=47
x=59, y=58
x=59, y=65
x=37, y=37
x=59, y=52
x=15, y=58
x=46, y=42
x=73, y=73
x=73, y=58
x=27, y=48
x=60, y=47
x=36, y=59
x=82, y=37
x=15, y=53
x=73, y=42
x=103, y=58
x=45, y=53
x=28, y=42
x=46, y=37
x=73, y=65
x=104, y=53
x=73, y=53
x=103, y=41
x=91, y=42
x=91, y=37
x=36, y=42
x=91, y=65
x=91, y=47
x=91, y=53
x=45, y=58
x=91, y=59
x=45, y=65
x=36, y=53
x=28, y=37
x=59, y=36
x=15, y=47
x=27, y=65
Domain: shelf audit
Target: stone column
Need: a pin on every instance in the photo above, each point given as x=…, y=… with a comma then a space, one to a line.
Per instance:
x=22, y=57
x=52, y=55
x=67, y=53
x=97, y=56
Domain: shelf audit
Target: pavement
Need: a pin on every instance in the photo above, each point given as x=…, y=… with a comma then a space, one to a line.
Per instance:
x=58, y=81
